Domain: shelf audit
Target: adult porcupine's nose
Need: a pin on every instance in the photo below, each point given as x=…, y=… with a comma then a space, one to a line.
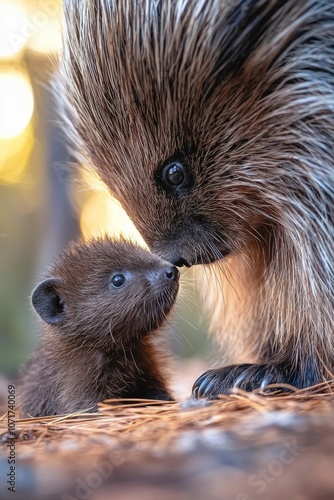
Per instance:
x=182, y=262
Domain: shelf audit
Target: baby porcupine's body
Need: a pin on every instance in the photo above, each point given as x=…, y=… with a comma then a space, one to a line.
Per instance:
x=103, y=304
x=212, y=122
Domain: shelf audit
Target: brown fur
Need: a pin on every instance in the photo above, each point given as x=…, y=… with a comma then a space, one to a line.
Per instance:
x=104, y=344
x=241, y=93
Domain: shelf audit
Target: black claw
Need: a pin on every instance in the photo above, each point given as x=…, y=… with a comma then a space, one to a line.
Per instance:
x=204, y=385
x=200, y=385
x=205, y=388
x=246, y=377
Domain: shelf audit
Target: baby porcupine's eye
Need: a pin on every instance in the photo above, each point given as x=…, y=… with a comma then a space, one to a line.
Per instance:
x=174, y=177
x=118, y=280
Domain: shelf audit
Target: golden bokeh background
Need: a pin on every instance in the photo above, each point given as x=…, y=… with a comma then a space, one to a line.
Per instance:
x=45, y=199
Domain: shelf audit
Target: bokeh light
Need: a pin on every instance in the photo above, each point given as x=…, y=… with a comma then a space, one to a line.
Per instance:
x=13, y=32
x=103, y=215
x=100, y=213
x=16, y=103
x=14, y=157
x=45, y=27
x=47, y=40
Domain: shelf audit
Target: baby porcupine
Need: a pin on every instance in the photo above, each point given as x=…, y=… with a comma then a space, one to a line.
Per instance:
x=103, y=304
x=212, y=122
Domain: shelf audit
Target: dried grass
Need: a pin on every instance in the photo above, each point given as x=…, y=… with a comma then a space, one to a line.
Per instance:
x=158, y=427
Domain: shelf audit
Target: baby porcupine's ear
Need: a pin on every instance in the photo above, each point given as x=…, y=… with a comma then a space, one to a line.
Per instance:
x=47, y=302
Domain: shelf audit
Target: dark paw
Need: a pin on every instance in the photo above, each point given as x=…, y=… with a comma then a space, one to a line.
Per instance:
x=158, y=394
x=162, y=396
x=246, y=377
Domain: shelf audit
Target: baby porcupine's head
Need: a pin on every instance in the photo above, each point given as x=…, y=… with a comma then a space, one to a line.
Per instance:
x=106, y=293
x=207, y=119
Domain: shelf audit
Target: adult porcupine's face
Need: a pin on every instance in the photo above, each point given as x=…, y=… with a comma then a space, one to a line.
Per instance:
x=195, y=113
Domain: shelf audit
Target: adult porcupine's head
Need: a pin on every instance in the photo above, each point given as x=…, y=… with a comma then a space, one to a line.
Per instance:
x=209, y=120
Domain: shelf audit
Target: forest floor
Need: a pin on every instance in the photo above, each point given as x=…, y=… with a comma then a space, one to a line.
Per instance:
x=244, y=446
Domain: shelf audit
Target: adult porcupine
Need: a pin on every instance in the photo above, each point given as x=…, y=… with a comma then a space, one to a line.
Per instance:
x=212, y=122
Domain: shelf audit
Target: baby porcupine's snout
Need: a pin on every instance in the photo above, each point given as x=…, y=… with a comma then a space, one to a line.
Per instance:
x=169, y=274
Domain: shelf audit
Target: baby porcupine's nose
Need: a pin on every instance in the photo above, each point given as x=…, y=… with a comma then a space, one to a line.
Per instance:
x=171, y=273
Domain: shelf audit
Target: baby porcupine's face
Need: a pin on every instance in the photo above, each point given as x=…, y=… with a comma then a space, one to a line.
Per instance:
x=106, y=293
x=175, y=104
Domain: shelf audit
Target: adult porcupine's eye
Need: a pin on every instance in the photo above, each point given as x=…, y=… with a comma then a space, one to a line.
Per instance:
x=118, y=280
x=175, y=177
